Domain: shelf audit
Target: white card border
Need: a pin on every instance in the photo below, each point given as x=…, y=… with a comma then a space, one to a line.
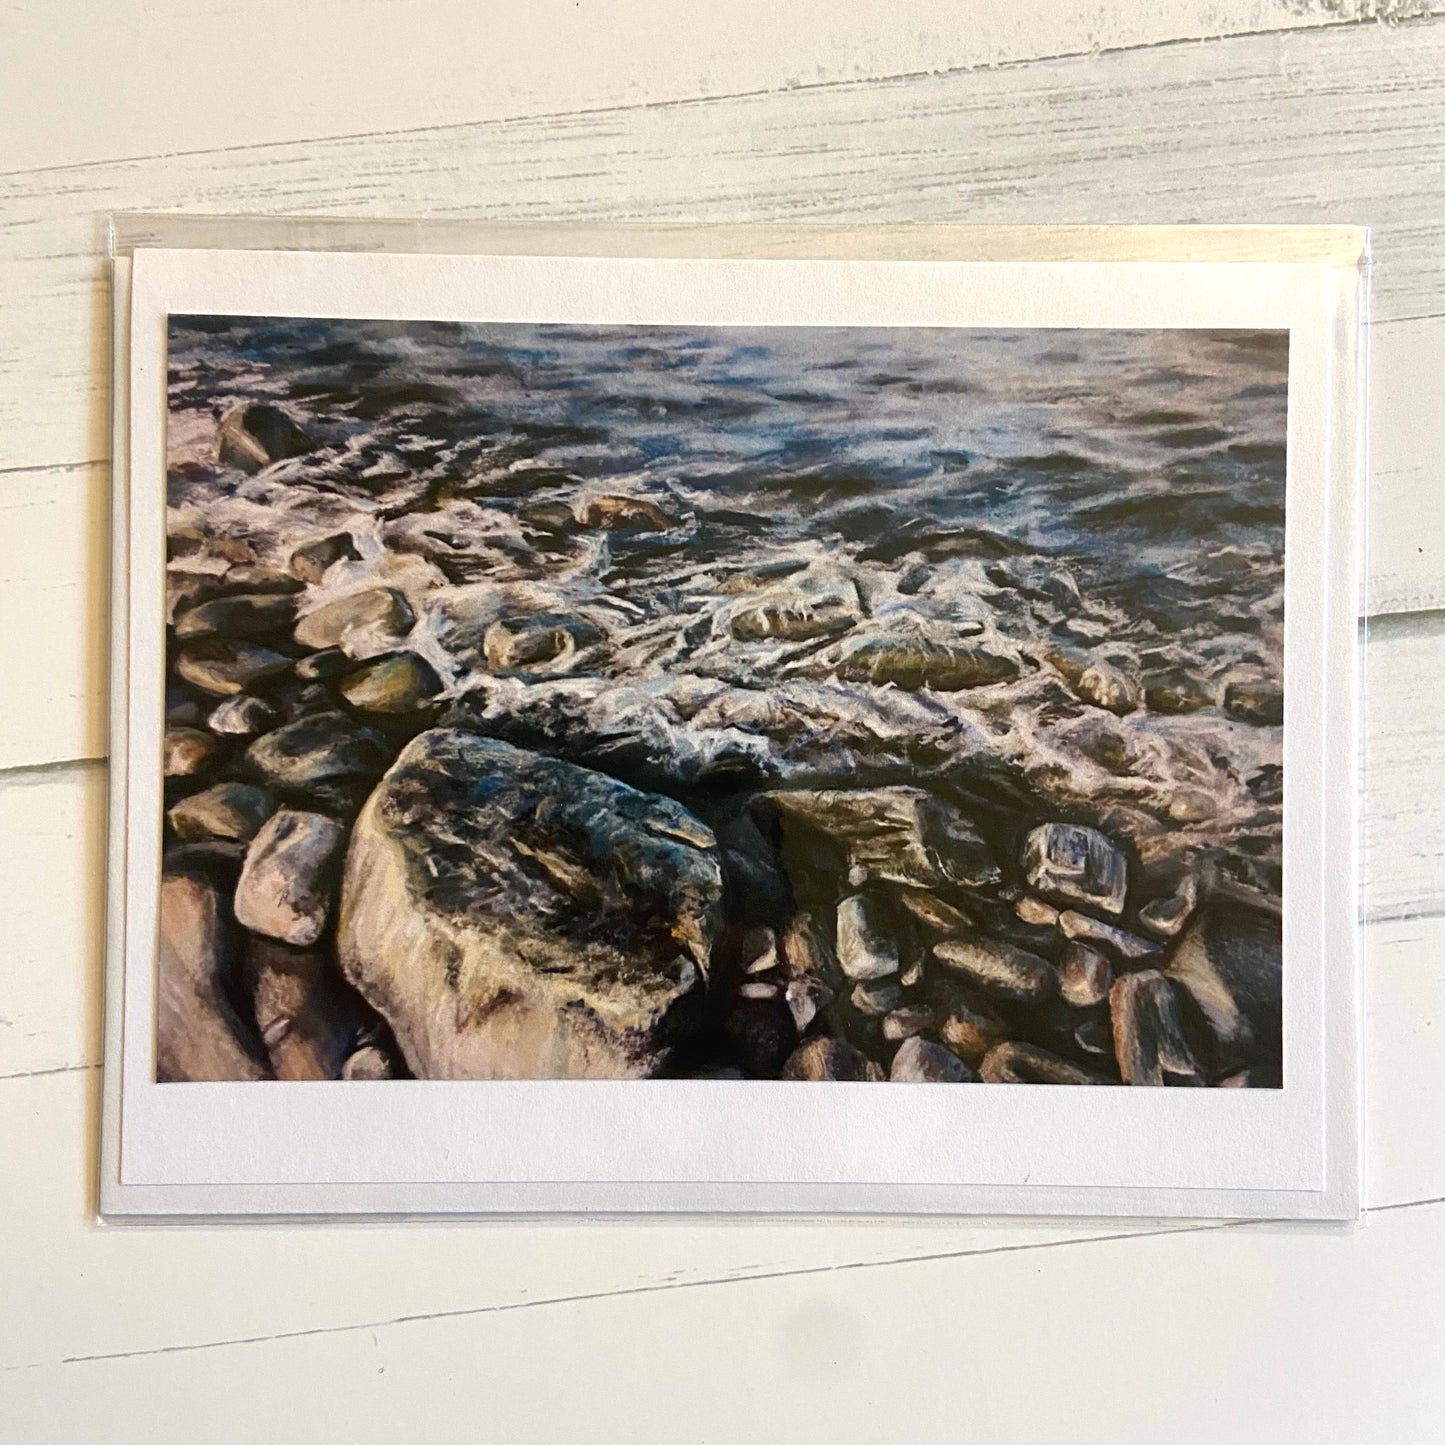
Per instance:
x=1185, y=1162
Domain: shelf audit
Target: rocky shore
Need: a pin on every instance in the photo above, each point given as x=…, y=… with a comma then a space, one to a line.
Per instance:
x=479, y=765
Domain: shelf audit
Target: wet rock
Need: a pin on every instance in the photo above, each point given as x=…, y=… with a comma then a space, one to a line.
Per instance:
x=251, y=577
x=912, y=974
x=807, y=1000
x=759, y=988
x=310, y=563
x=920, y=1061
x=317, y=751
x=248, y=616
x=1036, y=580
x=1085, y=976
x=1165, y=917
x=760, y=1034
x=814, y=607
x=1016, y=1063
x=969, y=1028
x=613, y=513
x=515, y=916
x=904, y=1023
x=233, y=811
x=758, y=951
x=369, y=1063
x=242, y=716
x=1103, y=741
x=309, y=1018
x=876, y=998
x=222, y=667
x=999, y=970
x=917, y=662
x=382, y=613
x=1094, y=1036
x=547, y=640
x=218, y=859
x=895, y=835
x=1149, y=1041
x=1192, y=805
x=1257, y=700
x=186, y=752
x=324, y=666
x=940, y=918
x=185, y=714
x=807, y=953
x=398, y=682
x=1127, y=947
x=257, y=433
x=1036, y=912
x=1174, y=691
x=290, y=876
x=1076, y=865
x=199, y=1034
x=1229, y=961
x=823, y=1059
x=1114, y=688
x=865, y=948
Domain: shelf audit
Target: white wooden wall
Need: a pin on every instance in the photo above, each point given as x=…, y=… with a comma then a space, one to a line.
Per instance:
x=1198, y=110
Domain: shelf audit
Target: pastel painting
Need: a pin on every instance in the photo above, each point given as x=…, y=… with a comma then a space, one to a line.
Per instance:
x=801, y=704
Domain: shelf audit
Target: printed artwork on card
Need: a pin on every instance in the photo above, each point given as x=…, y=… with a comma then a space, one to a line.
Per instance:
x=858, y=725
x=800, y=703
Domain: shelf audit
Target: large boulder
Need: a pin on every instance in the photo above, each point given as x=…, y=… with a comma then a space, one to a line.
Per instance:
x=515, y=916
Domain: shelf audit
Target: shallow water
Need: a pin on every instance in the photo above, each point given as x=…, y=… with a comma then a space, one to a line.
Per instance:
x=1110, y=496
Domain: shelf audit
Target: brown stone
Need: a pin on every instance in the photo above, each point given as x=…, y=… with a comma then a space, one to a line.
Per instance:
x=232, y=811
x=311, y=561
x=824, y=1059
x=309, y=1017
x=382, y=613
x=290, y=876
x=199, y=1035
x=186, y=752
x=921, y=1061
x=1149, y=1041
x=1085, y=976
x=400, y=682
x=999, y=970
x=1016, y=1063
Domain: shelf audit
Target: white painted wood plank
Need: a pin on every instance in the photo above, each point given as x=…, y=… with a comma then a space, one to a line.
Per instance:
x=334, y=67
x=52, y=861
x=1343, y=123
x=1252, y=1335
x=1402, y=807
x=299, y=1277
x=54, y=613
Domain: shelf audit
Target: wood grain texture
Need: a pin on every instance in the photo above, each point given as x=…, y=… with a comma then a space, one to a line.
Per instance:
x=333, y=67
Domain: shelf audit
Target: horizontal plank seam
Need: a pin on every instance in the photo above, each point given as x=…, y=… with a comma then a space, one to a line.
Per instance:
x=633, y=1291
x=45, y=1073
x=763, y=92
